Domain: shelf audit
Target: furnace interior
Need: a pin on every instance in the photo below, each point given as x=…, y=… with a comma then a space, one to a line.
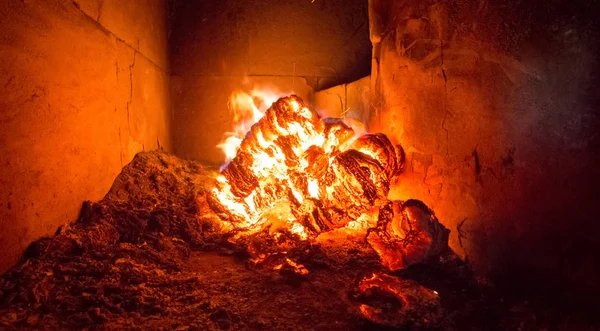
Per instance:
x=495, y=103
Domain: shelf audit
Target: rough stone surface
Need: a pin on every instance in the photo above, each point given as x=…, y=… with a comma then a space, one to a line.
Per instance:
x=78, y=103
x=215, y=44
x=496, y=104
x=141, y=24
x=325, y=39
x=346, y=100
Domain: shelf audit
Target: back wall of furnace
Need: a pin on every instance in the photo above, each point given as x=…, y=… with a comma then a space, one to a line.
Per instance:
x=218, y=46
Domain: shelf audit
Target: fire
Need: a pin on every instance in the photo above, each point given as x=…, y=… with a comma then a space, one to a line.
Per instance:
x=388, y=300
x=286, y=156
x=325, y=174
x=247, y=109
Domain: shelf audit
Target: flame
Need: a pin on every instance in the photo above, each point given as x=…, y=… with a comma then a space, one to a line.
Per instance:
x=275, y=149
x=327, y=176
x=247, y=108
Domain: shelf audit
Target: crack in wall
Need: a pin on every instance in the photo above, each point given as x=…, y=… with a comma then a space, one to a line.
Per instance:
x=108, y=32
x=136, y=52
x=100, y=4
x=345, y=111
x=446, y=112
x=354, y=34
x=462, y=235
x=475, y=155
x=120, y=146
x=339, y=99
x=130, y=92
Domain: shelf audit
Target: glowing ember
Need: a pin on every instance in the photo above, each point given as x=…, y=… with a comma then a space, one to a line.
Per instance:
x=295, y=267
x=394, y=302
x=324, y=176
x=407, y=233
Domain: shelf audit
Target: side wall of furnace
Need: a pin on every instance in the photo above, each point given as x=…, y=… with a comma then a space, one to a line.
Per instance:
x=84, y=88
x=496, y=105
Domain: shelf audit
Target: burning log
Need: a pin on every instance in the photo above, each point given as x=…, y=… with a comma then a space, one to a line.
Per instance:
x=407, y=233
x=314, y=164
x=328, y=178
x=262, y=172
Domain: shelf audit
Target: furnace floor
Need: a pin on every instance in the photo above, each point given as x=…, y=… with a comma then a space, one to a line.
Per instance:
x=144, y=258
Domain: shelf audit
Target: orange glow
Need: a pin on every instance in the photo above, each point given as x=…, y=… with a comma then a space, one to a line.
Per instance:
x=247, y=108
x=324, y=175
x=286, y=169
x=402, y=297
x=298, y=268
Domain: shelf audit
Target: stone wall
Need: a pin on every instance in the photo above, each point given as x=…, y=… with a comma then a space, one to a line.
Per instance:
x=85, y=87
x=496, y=104
x=346, y=100
x=221, y=45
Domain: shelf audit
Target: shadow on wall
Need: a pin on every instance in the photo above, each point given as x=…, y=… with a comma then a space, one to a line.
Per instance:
x=496, y=104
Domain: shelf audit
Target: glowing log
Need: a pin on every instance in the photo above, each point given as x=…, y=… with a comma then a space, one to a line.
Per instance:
x=379, y=147
x=292, y=154
x=326, y=177
x=258, y=177
x=407, y=233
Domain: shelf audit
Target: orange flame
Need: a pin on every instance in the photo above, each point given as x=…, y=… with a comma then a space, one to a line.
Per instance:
x=285, y=154
x=247, y=108
x=291, y=143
